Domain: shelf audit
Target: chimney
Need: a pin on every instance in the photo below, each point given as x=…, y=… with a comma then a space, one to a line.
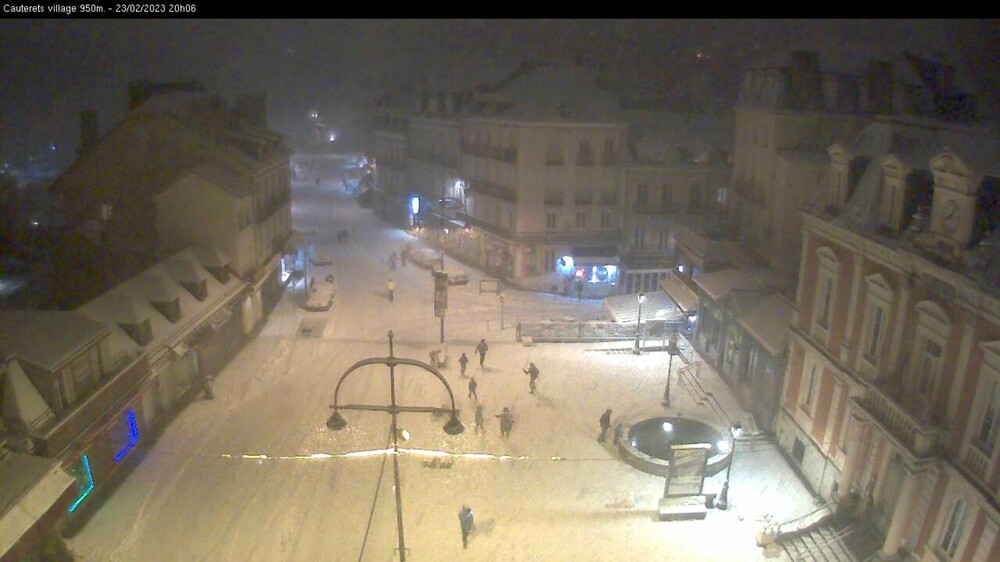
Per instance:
x=88, y=130
x=879, y=87
x=806, y=81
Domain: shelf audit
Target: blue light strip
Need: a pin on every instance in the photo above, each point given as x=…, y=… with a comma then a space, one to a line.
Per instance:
x=89, y=476
x=133, y=436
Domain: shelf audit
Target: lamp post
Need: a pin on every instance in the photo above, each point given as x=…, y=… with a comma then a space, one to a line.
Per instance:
x=638, y=322
x=723, y=502
x=672, y=350
x=337, y=422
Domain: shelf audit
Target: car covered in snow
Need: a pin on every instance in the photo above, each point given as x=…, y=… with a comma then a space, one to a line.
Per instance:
x=426, y=258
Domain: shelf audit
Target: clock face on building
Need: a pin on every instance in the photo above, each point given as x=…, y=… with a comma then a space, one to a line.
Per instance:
x=951, y=216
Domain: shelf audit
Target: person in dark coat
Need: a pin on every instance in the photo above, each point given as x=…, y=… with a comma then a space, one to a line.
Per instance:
x=391, y=287
x=605, y=425
x=472, y=388
x=463, y=361
x=481, y=350
x=466, y=520
x=532, y=372
x=506, y=422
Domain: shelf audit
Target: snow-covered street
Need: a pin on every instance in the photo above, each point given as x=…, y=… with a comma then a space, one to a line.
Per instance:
x=255, y=474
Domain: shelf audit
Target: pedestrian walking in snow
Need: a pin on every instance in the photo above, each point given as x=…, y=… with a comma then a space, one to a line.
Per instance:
x=207, y=388
x=392, y=289
x=480, y=424
x=466, y=520
x=532, y=372
x=605, y=425
x=392, y=261
x=462, y=362
x=579, y=289
x=472, y=388
x=403, y=255
x=506, y=422
x=481, y=350
x=619, y=428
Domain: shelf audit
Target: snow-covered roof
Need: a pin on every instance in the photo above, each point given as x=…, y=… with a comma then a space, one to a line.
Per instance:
x=718, y=284
x=181, y=267
x=46, y=338
x=209, y=256
x=225, y=179
x=914, y=142
x=560, y=92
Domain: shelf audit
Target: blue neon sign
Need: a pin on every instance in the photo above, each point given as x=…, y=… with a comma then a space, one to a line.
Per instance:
x=133, y=435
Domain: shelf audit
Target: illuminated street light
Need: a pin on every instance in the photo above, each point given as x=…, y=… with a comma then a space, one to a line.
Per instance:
x=337, y=422
x=723, y=502
x=638, y=322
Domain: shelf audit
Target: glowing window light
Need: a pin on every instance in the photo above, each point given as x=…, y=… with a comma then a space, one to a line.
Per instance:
x=133, y=436
x=85, y=488
x=415, y=205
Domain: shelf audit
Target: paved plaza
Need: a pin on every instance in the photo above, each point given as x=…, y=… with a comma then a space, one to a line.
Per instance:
x=256, y=475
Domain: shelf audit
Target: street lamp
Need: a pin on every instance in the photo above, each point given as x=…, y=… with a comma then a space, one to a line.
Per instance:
x=672, y=350
x=337, y=422
x=723, y=502
x=638, y=322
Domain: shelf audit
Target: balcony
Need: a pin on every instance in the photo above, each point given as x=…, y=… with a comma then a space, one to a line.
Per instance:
x=106, y=399
x=922, y=439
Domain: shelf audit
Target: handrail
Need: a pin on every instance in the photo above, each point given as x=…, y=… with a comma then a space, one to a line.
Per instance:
x=777, y=530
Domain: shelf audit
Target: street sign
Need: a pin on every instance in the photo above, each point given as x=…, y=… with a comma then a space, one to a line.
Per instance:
x=440, y=293
x=489, y=286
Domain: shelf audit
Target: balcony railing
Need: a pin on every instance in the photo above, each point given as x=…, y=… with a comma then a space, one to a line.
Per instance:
x=923, y=440
x=75, y=422
x=976, y=462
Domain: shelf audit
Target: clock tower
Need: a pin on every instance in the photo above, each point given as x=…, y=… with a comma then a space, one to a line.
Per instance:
x=954, y=204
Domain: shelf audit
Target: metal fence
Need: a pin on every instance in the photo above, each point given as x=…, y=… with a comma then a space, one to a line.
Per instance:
x=595, y=330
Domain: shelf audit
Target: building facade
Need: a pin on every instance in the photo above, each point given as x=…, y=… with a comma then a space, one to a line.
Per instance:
x=892, y=390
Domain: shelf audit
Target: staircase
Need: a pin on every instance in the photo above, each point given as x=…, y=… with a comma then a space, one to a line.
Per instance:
x=832, y=539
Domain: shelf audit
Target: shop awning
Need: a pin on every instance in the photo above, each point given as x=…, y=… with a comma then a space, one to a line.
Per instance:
x=595, y=254
x=768, y=323
x=680, y=293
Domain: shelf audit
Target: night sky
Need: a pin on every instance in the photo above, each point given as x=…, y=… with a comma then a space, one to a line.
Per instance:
x=53, y=68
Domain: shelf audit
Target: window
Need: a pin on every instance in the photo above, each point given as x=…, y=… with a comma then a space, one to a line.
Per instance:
x=605, y=219
x=826, y=287
x=809, y=388
x=553, y=156
x=952, y=531
x=83, y=370
x=664, y=197
x=879, y=300
x=584, y=157
x=583, y=197
x=550, y=221
x=639, y=238
x=581, y=220
x=171, y=310
x=876, y=327
x=825, y=299
x=141, y=332
x=752, y=362
x=608, y=156
x=553, y=196
x=929, y=365
x=198, y=289
x=986, y=440
x=641, y=195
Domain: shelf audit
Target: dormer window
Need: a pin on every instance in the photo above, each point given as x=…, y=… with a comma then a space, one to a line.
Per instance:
x=141, y=332
x=221, y=273
x=171, y=310
x=198, y=289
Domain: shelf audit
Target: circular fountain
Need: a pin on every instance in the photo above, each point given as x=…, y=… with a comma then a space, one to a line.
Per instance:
x=646, y=444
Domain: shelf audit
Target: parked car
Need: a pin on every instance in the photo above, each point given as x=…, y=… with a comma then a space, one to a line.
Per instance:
x=426, y=258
